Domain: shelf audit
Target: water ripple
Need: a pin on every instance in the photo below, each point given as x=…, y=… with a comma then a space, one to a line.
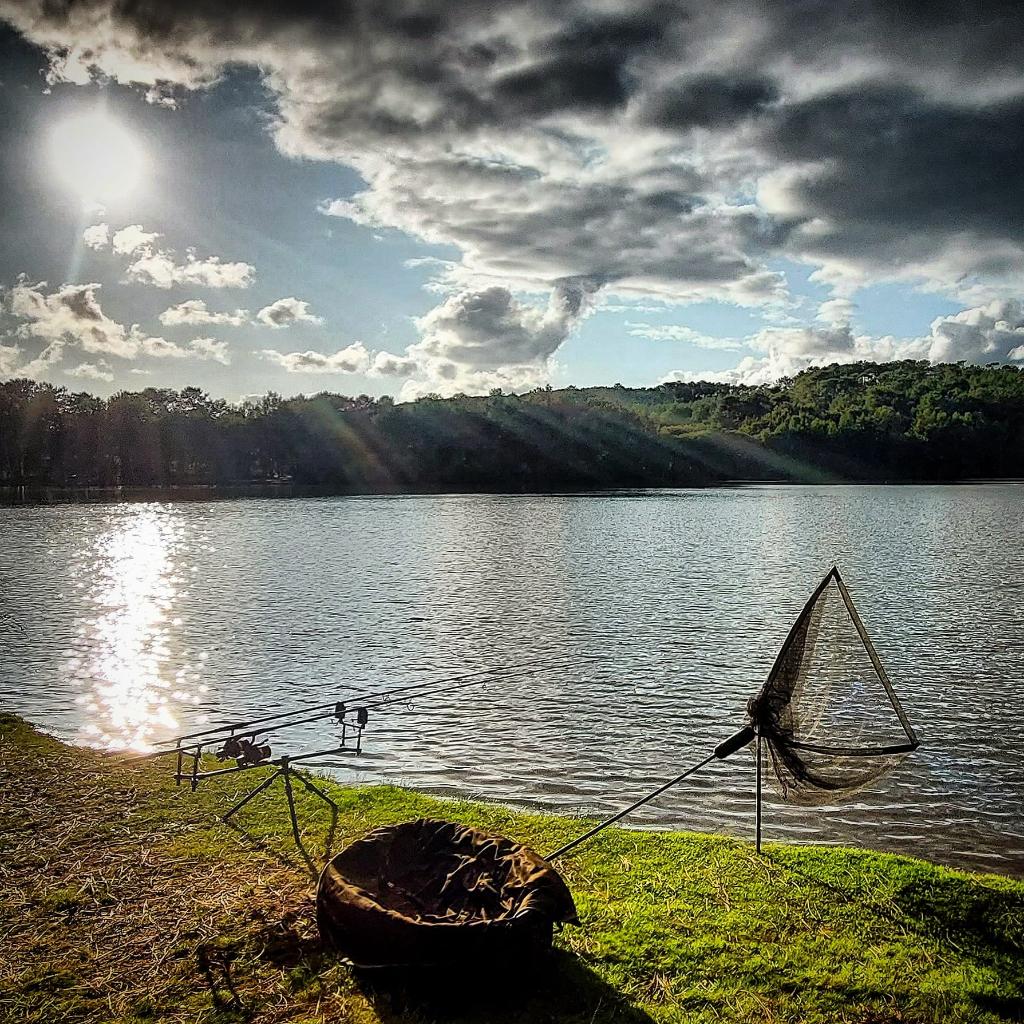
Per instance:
x=124, y=623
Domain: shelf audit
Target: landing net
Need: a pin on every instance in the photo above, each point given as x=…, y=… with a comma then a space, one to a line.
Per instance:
x=828, y=712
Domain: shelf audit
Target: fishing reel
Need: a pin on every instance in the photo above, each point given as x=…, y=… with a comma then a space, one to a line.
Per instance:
x=341, y=710
x=245, y=750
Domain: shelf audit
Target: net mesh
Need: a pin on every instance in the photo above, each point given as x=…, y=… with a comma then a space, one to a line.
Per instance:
x=828, y=713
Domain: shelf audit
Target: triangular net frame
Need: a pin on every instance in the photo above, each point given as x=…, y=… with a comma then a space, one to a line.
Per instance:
x=828, y=711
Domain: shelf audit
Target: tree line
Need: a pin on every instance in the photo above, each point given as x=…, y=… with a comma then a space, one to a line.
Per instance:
x=898, y=421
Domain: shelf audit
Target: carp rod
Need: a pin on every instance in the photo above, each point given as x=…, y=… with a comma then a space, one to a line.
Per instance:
x=360, y=702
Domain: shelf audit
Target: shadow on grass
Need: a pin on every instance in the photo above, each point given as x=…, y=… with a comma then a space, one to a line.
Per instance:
x=981, y=921
x=215, y=967
x=260, y=842
x=558, y=989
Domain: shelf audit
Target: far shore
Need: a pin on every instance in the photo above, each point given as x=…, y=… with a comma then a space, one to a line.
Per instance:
x=285, y=489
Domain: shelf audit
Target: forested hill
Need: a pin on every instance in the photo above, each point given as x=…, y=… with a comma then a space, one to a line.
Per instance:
x=863, y=421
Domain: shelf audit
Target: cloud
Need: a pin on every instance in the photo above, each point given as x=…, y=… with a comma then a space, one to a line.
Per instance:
x=72, y=315
x=657, y=238
x=709, y=101
x=210, y=348
x=285, y=312
x=990, y=333
x=832, y=341
x=133, y=238
x=203, y=349
x=836, y=311
x=92, y=371
x=38, y=367
x=194, y=311
x=10, y=355
x=96, y=236
x=386, y=364
x=353, y=359
x=881, y=180
x=158, y=348
x=670, y=150
x=477, y=340
x=160, y=268
x=679, y=332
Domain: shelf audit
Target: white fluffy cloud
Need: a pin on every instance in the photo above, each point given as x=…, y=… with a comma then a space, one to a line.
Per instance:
x=285, y=312
x=194, y=311
x=161, y=269
x=96, y=236
x=478, y=340
x=355, y=358
x=92, y=371
x=203, y=349
x=993, y=332
x=71, y=315
x=386, y=364
x=211, y=349
x=10, y=356
x=471, y=342
x=132, y=238
x=836, y=311
x=990, y=333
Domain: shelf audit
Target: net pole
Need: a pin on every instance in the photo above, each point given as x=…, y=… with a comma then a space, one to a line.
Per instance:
x=601, y=826
x=757, y=803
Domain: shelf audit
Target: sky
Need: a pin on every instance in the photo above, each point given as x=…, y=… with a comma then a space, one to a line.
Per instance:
x=404, y=198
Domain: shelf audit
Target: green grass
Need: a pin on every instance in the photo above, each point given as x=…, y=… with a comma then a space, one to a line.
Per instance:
x=124, y=898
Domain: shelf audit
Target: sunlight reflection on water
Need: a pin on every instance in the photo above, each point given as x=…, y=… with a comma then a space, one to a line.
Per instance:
x=131, y=686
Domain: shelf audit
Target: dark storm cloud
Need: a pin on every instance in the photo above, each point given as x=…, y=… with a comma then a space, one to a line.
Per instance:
x=894, y=158
x=968, y=39
x=709, y=101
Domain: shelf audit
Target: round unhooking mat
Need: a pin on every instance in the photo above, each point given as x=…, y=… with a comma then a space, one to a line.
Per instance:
x=439, y=893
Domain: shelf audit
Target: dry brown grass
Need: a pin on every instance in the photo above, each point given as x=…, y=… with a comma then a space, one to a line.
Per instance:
x=117, y=903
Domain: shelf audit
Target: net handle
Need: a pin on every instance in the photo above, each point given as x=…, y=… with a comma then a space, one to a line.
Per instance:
x=737, y=741
x=601, y=826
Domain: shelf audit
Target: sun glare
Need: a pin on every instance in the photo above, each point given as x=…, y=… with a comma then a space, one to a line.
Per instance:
x=97, y=157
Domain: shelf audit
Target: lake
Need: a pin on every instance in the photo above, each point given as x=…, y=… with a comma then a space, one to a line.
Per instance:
x=124, y=623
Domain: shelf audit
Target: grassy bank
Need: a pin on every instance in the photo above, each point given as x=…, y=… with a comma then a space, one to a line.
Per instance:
x=125, y=899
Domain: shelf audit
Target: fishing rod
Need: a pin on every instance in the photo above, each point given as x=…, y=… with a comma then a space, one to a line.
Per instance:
x=388, y=697
x=236, y=730
x=381, y=697
x=373, y=699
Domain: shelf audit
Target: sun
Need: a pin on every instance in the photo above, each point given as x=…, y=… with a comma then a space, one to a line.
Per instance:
x=97, y=157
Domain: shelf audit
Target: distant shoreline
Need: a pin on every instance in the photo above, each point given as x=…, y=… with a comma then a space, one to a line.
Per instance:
x=14, y=496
